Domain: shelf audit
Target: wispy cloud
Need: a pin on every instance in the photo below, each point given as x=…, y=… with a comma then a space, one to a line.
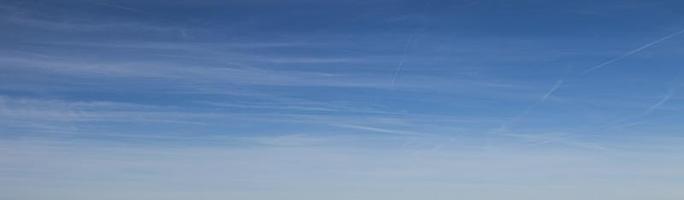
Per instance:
x=120, y=7
x=85, y=26
x=221, y=68
x=110, y=169
x=378, y=130
x=297, y=100
x=565, y=139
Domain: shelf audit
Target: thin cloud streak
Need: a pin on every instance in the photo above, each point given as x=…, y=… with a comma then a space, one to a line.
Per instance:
x=660, y=102
x=402, y=58
x=504, y=126
x=555, y=87
x=632, y=52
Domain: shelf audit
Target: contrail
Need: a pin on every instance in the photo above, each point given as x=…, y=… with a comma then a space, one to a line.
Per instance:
x=630, y=121
x=553, y=89
x=111, y=5
x=400, y=65
x=662, y=101
x=558, y=84
x=632, y=52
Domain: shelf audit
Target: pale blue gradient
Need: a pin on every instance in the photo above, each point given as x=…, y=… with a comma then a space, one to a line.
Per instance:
x=355, y=100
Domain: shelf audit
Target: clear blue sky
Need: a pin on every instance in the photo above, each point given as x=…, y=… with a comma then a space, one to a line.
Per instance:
x=308, y=99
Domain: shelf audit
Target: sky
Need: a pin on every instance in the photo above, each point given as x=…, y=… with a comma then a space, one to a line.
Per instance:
x=339, y=100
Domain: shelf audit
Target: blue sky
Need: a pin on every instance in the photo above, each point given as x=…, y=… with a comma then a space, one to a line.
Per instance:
x=305, y=99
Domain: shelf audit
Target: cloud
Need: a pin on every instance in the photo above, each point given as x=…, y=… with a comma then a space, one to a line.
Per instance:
x=48, y=20
x=111, y=171
x=216, y=68
x=50, y=117
x=378, y=130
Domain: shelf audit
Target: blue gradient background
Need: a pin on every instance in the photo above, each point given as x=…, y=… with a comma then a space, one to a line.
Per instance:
x=304, y=99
